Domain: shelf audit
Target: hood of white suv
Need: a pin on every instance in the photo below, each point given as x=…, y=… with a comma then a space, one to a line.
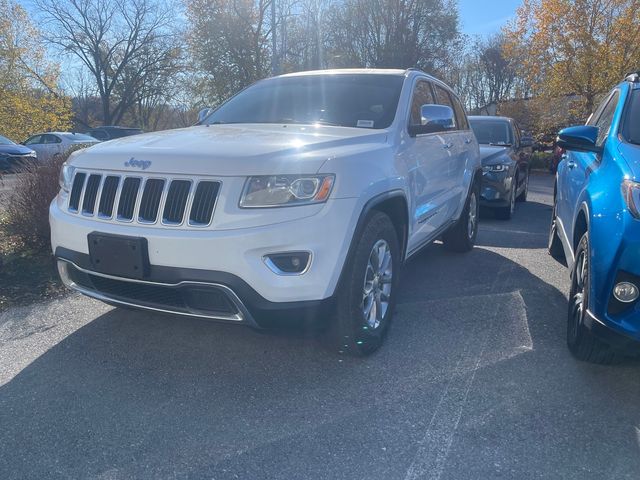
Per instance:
x=228, y=150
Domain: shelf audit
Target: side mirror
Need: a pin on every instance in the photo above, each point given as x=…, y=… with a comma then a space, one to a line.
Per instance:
x=434, y=118
x=204, y=113
x=581, y=139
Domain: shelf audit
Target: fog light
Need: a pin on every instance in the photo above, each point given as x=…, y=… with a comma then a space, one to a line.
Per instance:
x=290, y=263
x=625, y=292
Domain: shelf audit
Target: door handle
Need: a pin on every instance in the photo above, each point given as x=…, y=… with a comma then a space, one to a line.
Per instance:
x=447, y=146
x=468, y=141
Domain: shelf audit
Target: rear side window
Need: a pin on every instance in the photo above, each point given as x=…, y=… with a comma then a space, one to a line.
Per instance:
x=422, y=95
x=461, y=116
x=443, y=98
x=632, y=119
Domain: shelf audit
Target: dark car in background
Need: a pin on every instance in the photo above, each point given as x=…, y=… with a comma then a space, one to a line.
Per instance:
x=14, y=156
x=110, y=132
x=505, y=163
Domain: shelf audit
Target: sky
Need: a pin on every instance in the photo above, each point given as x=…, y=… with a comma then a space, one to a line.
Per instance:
x=485, y=17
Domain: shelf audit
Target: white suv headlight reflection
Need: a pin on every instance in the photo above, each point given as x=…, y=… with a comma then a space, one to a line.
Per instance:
x=286, y=190
x=495, y=168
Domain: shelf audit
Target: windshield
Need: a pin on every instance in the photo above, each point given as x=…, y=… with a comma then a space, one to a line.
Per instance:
x=5, y=141
x=358, y=100
x=631, y=122
x=492, y=132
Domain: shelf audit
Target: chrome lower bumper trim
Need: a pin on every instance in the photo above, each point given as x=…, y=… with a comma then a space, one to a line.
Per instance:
x=243, y=316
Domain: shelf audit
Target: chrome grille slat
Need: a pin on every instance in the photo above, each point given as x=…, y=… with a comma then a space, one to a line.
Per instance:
x=108, y=196
x=150, y=202
x=76, y=192
x=176, y=202
x=144, y=200
x=128, y=195
x=90, y=194
x=204, y=200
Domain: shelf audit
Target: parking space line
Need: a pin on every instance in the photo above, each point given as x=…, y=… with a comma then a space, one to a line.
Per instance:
x=433, y=449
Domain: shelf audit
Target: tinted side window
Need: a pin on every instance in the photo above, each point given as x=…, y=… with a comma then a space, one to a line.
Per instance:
x=443, y=98
x=35, y=140
x=603, y=122
x=49, y=139
x=461, y=117
x=99, y=134
x=422, y=95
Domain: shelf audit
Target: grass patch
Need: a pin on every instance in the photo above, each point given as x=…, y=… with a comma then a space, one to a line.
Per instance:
x=27, y=274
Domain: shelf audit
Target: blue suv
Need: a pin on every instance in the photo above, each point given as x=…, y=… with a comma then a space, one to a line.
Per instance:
x=595, y=226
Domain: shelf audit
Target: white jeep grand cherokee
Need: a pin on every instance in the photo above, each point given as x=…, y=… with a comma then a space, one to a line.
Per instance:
x=299, y=198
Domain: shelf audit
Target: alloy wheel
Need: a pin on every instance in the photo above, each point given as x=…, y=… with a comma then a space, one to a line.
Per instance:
x=578, y=307
x=376, y=292
x=472, y=221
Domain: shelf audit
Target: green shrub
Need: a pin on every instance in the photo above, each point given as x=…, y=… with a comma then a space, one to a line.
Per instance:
x=26, y=214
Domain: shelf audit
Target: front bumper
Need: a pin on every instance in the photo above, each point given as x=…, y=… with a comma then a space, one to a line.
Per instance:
x=495, y=189
x=190, y=292
x=238, y=252
x=619, y=341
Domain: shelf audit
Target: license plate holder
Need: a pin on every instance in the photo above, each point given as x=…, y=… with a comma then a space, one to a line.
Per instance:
x=119, y=255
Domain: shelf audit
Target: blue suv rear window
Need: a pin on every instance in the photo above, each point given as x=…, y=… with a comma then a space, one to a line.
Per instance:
x=632, y=119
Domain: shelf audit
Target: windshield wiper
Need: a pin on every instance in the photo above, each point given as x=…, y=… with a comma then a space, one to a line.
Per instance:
x=499, y=144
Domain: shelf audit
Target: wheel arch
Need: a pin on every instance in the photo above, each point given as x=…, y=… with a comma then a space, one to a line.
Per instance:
x=580, y=226
x=394, y=204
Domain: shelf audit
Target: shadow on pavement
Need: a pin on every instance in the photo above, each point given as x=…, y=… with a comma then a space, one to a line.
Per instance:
x=139, y=395
x=527, y=229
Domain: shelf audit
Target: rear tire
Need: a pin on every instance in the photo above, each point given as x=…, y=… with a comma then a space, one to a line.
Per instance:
x=582, y=344
x=367, y=293
x=462, y=236
x=554, y=245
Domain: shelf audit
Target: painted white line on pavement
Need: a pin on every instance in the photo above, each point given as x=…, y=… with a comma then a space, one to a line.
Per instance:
x=433, y=449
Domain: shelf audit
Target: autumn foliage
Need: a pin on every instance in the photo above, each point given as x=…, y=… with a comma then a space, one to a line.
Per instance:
x=575, y=48
x=29, y=97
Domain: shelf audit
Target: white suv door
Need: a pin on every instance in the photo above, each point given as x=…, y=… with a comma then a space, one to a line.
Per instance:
x=458, y=141
x=426, y=158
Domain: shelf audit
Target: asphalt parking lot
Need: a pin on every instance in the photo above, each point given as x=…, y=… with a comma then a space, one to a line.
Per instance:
x=475, y=382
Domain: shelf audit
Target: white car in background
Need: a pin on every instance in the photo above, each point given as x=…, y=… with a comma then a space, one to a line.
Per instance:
x=52, y=145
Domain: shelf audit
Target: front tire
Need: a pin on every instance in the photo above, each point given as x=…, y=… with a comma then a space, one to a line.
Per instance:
x=368, y=291
x=581, y=342
x=523, y=196
x=462, y=236
x=507, y=212
x=554, y=244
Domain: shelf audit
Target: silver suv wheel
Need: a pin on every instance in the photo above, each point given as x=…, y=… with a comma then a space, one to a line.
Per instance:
x=376, y=292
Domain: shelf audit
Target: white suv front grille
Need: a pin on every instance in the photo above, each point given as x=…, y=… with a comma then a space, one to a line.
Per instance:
x=143, y=200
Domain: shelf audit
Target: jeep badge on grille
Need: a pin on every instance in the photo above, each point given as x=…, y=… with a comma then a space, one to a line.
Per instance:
x=134, y=163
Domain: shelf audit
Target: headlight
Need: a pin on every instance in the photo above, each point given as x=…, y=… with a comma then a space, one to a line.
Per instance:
x=631, y=194
x=286, y=190
x=495, y=168
x=66, y=177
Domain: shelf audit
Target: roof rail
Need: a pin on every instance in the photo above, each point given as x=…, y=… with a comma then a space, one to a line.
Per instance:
x=633, y=77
